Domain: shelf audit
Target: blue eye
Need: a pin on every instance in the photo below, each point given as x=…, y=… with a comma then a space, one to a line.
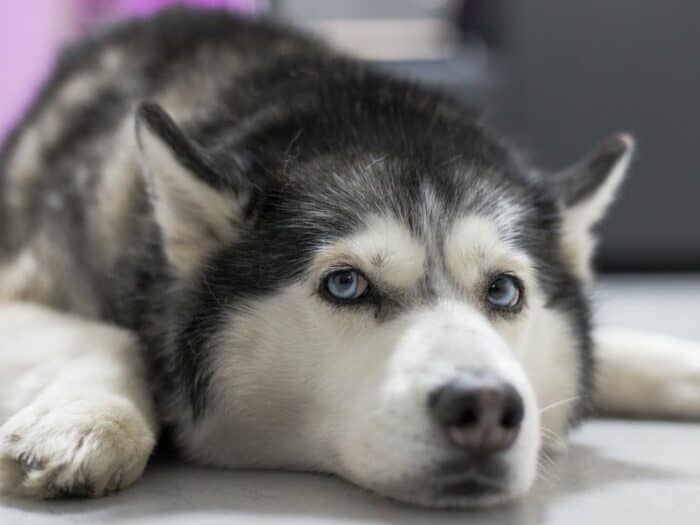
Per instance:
x=505, y=292
x=346, y=285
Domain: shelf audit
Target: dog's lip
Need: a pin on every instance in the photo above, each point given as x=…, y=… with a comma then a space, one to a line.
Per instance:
x=490, y=469
x=474, y=487
x=467, y=478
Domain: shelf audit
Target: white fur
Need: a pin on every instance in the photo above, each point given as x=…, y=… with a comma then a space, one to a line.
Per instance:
x=643, y=374
x=75, y=410
x=474, y=249
x=578, y=241
x=21, y=273
x=549, y=354
x=384, y=249
x=194, y=218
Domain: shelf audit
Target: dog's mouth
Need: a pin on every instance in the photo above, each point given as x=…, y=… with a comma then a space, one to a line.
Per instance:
x=468, y=484
x=472, y=487
x=469, y=492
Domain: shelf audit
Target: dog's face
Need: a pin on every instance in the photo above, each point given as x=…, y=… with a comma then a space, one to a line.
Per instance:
x=410, y=319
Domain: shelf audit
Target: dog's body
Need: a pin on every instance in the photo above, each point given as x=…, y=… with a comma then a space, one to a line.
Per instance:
x=198, y=258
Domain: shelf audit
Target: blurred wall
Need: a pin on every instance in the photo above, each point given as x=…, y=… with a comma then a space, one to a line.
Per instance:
x=577, y=71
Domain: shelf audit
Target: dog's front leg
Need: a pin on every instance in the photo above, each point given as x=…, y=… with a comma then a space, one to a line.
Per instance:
x=79, y=419
x=647, y=375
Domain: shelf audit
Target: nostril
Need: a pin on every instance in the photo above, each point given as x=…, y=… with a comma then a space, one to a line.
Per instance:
x=513, y=409
x=468, y=417
x=510, y=419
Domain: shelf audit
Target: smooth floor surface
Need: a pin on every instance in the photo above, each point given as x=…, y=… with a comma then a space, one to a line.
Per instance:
x=615, y=471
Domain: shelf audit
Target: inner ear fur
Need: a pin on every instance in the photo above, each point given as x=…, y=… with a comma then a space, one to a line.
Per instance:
x=586, y=191
x=196, y=209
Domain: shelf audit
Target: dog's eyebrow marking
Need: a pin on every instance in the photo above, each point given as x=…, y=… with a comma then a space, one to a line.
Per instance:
x=378, y=260
x=475, y=247
x=385, y=249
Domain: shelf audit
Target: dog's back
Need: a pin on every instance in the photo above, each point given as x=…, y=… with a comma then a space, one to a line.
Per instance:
x=71, y=192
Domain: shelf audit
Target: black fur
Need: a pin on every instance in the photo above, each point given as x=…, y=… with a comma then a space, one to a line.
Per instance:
x=153, y=116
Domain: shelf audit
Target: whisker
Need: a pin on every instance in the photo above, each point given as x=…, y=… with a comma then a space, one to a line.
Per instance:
x=559, y=403
x=548, y=459
x=548, y=432
x=547, y=472
x=543, y=475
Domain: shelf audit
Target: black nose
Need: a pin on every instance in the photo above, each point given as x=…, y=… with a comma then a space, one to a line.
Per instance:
x=480, y=412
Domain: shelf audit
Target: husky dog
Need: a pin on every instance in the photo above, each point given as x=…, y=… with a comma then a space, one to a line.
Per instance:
x=224, y=233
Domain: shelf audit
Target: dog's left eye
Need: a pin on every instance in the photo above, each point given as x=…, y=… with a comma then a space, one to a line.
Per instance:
x=505, y=292
x=346, y=285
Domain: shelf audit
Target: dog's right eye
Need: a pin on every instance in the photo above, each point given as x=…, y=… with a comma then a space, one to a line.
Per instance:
x=505, y=293
x=345, y=285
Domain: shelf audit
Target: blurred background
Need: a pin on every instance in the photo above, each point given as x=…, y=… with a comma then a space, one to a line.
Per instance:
x=557, y=76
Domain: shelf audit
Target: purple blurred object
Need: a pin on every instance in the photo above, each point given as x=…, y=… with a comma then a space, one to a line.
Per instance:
x=30, y=34
x=144, y=7
x=32, y=31
x=101, y=10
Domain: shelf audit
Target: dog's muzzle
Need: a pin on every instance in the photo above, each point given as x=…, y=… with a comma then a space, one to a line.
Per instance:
x=481, y=415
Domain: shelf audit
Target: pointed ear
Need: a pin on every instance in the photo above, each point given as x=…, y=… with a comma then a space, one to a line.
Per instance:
x=586, y=191
x=196, y=209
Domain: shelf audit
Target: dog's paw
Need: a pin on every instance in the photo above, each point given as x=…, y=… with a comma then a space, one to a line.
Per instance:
x=683, y=387
x=672, y=373
x=76, y=448
x=647, y=375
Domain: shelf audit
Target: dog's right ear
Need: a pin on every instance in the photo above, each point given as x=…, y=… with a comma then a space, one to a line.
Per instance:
x=585, y=191
x=196, y=208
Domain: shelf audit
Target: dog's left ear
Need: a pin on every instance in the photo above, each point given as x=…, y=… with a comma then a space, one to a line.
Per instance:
x=196, y=208
x=586, y=191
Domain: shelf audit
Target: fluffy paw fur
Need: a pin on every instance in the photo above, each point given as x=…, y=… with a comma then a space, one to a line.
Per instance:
x=648, y=375
x=76, y=448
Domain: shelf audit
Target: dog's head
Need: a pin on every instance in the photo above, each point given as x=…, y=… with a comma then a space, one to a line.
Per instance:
x=377, y=288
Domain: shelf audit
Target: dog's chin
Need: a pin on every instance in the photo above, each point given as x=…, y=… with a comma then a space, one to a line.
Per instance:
x=445, y=489
x=466, y=494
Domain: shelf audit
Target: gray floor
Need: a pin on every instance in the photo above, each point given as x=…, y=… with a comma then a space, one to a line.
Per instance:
x=615, y=472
